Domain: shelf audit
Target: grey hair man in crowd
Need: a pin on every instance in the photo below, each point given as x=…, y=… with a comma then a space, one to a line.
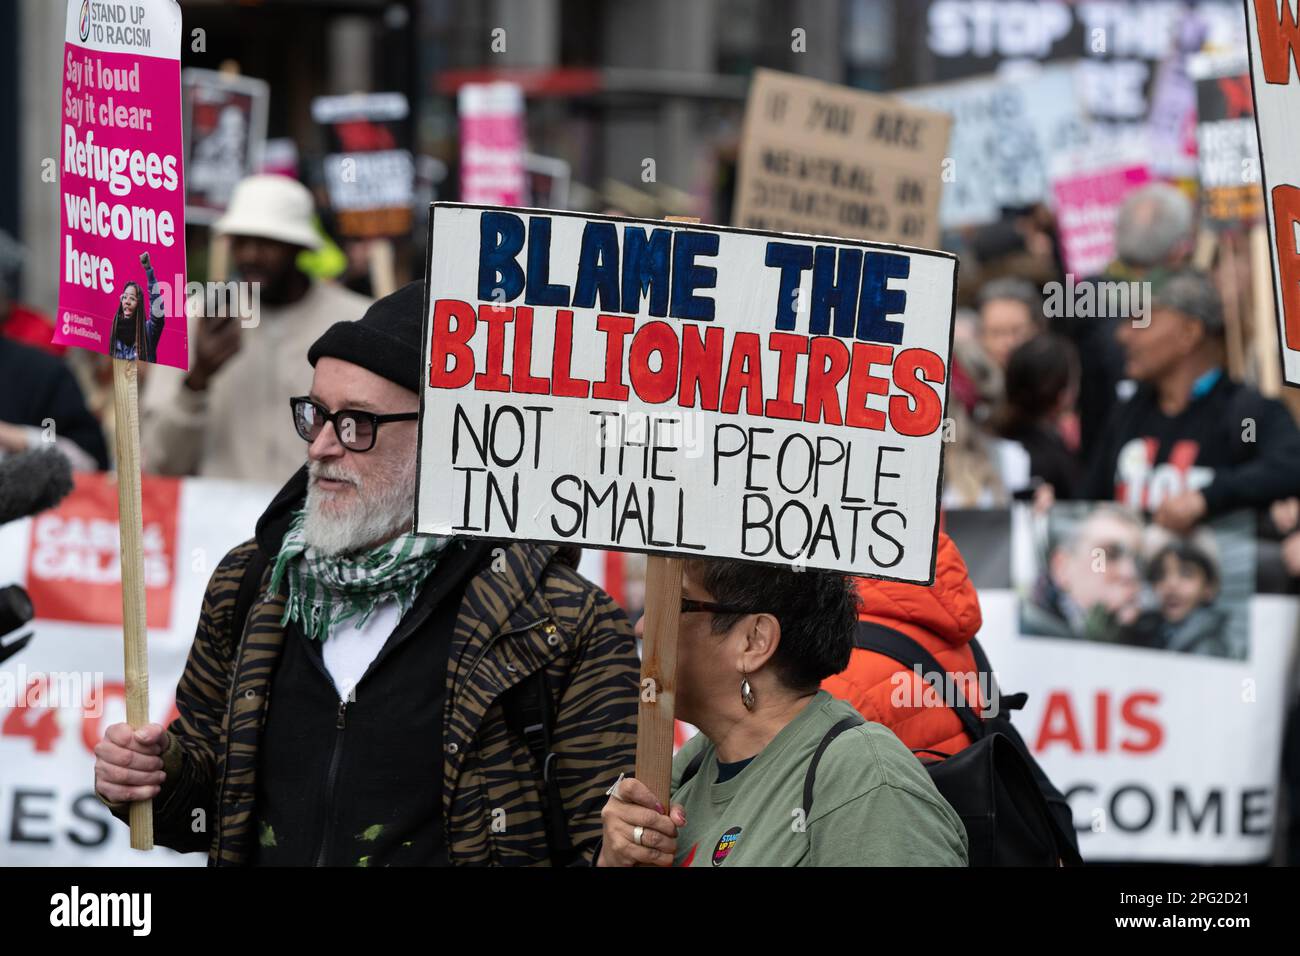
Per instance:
x=1154, y=237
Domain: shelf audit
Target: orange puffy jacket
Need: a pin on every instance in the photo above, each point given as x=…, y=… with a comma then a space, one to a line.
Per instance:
x=941, y=618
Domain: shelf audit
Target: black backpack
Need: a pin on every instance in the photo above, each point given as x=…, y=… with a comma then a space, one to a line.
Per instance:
x=1013, y=814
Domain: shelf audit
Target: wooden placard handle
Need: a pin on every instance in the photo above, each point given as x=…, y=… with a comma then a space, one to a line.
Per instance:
x=654, y=726
x=383, y=271
x=131, y=531
x=655, y=722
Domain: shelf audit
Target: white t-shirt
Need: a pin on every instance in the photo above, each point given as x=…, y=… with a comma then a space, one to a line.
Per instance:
x=349, y=650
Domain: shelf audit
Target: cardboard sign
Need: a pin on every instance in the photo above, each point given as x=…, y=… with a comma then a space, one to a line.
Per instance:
x=830, y=160
x=121, y=182
x=225, y=137
x=369, y=174
x=492, y=143
x=684, y=389
x=1275, y=70
x=1003, y=135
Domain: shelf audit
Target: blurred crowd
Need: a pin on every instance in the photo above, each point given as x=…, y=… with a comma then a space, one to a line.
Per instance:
x=1053, y=395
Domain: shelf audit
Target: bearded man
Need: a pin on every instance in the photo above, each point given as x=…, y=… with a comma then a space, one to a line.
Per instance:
x=437, y=700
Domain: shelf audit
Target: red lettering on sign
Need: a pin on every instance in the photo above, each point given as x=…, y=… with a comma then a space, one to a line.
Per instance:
x=922, y=415
x=1286, y=216
x=1279, y=36
x=454, y=342
x=1060, y=723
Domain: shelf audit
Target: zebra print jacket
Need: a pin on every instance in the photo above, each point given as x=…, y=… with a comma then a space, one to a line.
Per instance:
x=529, y=610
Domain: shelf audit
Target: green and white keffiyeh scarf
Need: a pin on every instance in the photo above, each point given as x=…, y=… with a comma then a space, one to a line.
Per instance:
x=327, y=590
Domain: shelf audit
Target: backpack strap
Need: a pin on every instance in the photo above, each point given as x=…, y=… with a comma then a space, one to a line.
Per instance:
x=529, y=713
x=1005, y=701
x=811, y=776
x=869, y=636
x=692, y=768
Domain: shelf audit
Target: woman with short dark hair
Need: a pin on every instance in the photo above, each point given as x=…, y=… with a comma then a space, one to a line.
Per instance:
x=755, y=643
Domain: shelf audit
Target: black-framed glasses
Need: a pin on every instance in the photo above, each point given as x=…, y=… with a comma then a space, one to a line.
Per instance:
x=689, y=605
x=356, y=429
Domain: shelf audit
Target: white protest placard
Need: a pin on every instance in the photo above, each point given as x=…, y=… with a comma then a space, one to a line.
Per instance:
x=1274, y=43
x=1004, y=134
x=684, y=389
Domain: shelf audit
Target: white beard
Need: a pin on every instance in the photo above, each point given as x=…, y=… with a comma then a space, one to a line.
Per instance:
x=378, y=512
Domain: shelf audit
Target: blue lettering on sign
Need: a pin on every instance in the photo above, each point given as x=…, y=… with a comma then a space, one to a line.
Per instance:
x=793, y=261
x=500, y=239
x=688, y=276
x=829, y=295
x=878, y=300
x=645, y=267
x=540, y=290
x=598, y=268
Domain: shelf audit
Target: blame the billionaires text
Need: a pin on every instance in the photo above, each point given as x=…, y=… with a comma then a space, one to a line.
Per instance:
x=799, y=403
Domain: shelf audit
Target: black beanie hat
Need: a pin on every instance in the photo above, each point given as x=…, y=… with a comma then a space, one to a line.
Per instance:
x=387, y=340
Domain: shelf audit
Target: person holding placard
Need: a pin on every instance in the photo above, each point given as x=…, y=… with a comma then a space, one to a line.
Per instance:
x=438, y=700
x=781, y=773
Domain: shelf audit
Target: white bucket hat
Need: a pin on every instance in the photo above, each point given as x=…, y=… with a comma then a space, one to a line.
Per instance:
x=271, y=207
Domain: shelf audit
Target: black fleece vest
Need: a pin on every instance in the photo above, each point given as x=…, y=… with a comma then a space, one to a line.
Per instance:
x=359, y=782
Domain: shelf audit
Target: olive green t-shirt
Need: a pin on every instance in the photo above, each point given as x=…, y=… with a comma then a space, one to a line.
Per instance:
x=873, y=802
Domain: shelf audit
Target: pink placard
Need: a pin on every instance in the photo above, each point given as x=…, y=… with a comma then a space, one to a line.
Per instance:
x=121, y=182
x=492, y=144
x=1087, y=206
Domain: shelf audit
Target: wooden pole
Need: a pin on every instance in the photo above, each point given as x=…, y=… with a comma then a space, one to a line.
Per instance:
x=655, y=723
x=383, y=274
x=1261, y=284
x=131, y=531
x=219, y=245
x=1231, y=308
x=654, y=728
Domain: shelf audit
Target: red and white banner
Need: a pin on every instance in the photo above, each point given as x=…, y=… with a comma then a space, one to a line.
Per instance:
x=59, y=692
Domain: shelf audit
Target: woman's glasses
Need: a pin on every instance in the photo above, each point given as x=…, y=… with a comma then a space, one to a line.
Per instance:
x=356, y=429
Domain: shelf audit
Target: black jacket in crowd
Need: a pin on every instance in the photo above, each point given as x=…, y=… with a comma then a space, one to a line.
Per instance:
x=1238, y=448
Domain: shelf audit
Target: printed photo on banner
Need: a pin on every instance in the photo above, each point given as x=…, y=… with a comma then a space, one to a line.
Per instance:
x=1166, y=751
x=656, y=386
x=1101, y=572
x=121, y=183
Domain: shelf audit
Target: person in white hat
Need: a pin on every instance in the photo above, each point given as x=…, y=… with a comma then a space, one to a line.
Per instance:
x=220, y=419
